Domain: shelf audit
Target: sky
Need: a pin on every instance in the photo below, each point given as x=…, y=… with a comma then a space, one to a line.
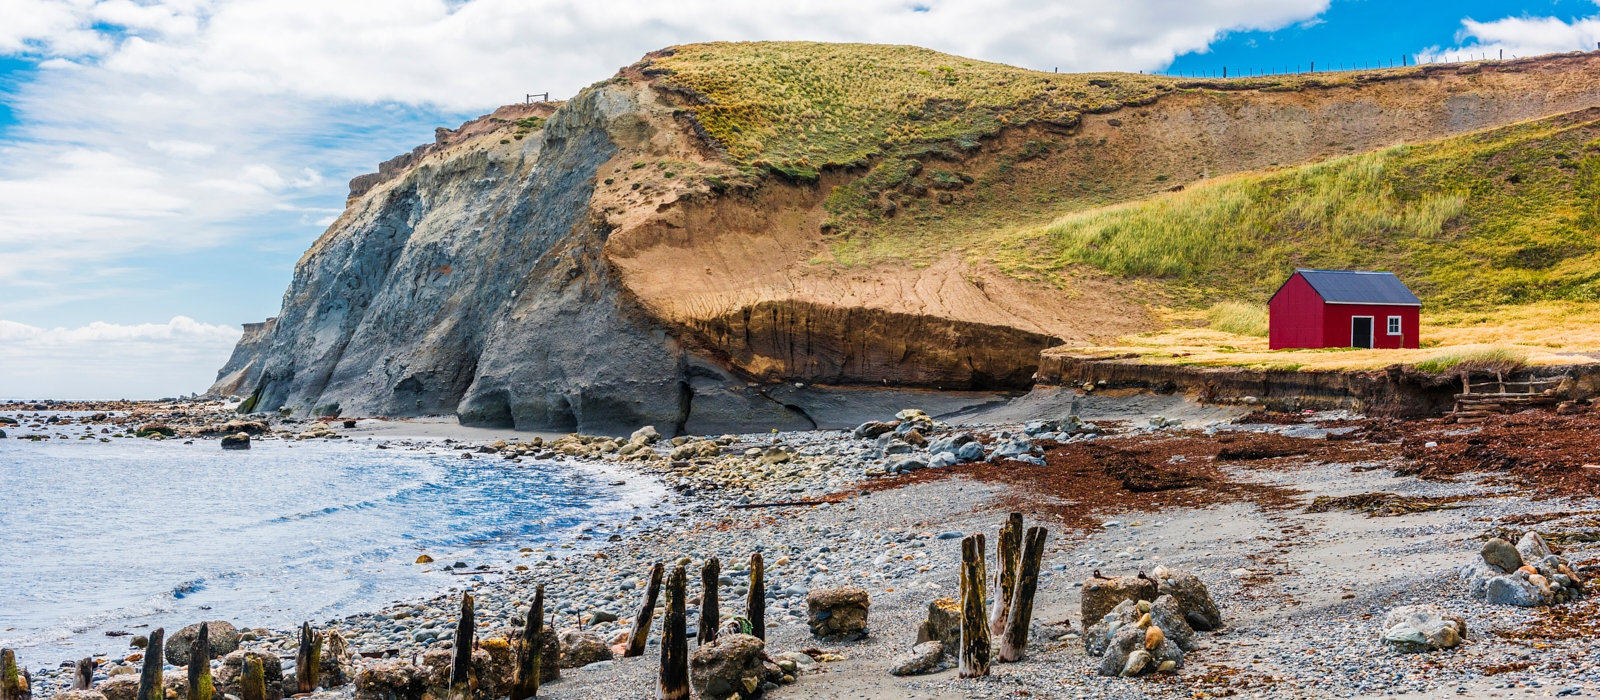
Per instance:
x=164, y=163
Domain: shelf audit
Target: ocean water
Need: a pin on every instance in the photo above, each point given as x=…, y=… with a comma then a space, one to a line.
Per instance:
x=136, y=534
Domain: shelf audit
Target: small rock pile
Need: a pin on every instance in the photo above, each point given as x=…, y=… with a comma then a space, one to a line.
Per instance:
x=1525, y=575
x=1139, y=625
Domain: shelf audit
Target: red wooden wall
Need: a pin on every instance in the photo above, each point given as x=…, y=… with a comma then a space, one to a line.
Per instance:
x=1296, y=317
x=1336, y=325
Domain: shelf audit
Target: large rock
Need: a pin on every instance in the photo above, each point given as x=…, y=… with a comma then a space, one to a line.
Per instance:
x=1532, y=547
x=729, y=667
x=391, y=679
x=922, y=658
x=870, y=430
x=943, y=624
x=581, y=647
x=1502, y=555
x=224, y=640
x=1097, y=635
x=1416, y=628
x=1190, y=595
x=1514, y=589
x=237, y=441
x=120, y=687
x=1165, y=614
x=226, y=678
x=838, y=612
x=1131, y=653
x=1100, y=595
x=644, y=436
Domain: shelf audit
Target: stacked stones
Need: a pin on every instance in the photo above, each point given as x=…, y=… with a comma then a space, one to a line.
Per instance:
x=1139, y=625
x=1526, y=575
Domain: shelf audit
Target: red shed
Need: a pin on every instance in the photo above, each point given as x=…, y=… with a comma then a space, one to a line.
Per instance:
x=1344, y=309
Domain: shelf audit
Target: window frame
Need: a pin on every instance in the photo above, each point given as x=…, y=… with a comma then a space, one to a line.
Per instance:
x=1395, y=325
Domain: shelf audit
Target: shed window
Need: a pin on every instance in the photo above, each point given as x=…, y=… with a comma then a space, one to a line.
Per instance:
x=1394, y=325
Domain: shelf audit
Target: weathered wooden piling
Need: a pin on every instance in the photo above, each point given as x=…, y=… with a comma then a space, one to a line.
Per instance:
x=709, y=610
x=150, y=682
x=10, y=677
x=674, y=684
x=1014, y=640
x=974, y=661
x=1008, y=551
x=461, y=680
x=83, y=677
x=200, y=686
x=530, y=651
x=640, y=633
x=254, y=684
x=308, y=659
x=755, y=601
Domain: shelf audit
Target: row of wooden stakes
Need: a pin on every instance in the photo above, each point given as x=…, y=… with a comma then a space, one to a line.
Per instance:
x=1019, y=557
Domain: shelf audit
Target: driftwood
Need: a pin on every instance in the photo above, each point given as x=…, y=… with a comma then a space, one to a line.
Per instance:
x=647, y=611
x=756, y=600
x=308, y=660
x=530, y=650
x=150, y=682
x=200, y=687
x=1008, y=552
x=674, y=682
x=1014, y=639
x=709, y=612
x=83, y=678
x=461, y=680
x=253, y=686
x=974, y=661
x=779, y=504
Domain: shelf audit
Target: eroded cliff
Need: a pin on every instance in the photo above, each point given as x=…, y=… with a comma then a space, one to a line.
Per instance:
x=629, y=257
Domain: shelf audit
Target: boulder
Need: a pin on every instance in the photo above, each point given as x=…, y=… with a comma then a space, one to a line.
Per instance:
x=1123, y=643
x=393, y=679
x=227, y=675
x=580, y=648
x=1532, y=547
x=1417, y=628
x=1513, y=589
x=1098, y=635
x=838, y=612
x=236, y=441
x=1169, y=618
x=950, y=443
x=943, y=459
x=923, y=658
x=155, y=429
x=943, y=624
x=872, y=429
x=970, y=452
x=1502, y=555
x=914, y=437
x=1136, y=651
x=1100, y=595
x=120, y=688
x=644, y=436
x=1191, y=597
x=906, y=465
x=224, y=640
x=729, y=667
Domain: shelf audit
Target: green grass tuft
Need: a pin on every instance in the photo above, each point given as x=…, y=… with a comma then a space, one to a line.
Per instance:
x=1494, y=357
x=1239, y=319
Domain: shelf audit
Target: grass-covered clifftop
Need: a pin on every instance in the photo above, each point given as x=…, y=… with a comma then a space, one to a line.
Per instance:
x=1505, y=216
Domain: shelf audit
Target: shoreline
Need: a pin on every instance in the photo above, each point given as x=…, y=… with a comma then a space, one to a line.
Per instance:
x=1318, y=582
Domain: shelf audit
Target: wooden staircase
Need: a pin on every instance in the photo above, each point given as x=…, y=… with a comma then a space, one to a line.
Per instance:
x=1475, y=407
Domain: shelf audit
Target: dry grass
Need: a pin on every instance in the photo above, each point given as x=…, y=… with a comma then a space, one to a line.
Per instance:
x=1239, y=319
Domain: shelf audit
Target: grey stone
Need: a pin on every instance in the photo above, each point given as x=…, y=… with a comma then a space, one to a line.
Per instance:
x=224, y=639
x=923, y=658
x=1532, y=547
x=1418, y=628
x=1190, y=594
x=1166, y=614
x=1513, y=589
x=970, y=452
x=1501, y=555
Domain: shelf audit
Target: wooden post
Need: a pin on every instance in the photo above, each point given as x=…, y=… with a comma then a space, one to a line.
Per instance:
x=461, y=680
x=530, y=651
x=974, y=660
x=150, y=685
x=200, y=687
x=253, y=686
x=1014, y=640
x=308, y=660
x=756, y=600
x=674, y=683
x=647, y=610
x=1007, y=554
x=709, y=610
x=10, y=679
x=84, y=678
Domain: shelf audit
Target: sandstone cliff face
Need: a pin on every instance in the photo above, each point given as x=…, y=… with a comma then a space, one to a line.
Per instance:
x=599, y=265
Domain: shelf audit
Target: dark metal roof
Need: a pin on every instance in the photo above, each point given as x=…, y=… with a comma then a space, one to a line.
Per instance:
x=1358, y=287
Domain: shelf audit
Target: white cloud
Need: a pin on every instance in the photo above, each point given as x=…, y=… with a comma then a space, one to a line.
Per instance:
x=111, y=361
x=1519, y=37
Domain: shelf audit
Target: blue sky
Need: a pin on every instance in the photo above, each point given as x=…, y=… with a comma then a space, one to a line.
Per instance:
x=172, y=159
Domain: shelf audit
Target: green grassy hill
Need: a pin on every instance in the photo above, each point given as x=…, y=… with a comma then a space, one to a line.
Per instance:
x=1505, y=216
